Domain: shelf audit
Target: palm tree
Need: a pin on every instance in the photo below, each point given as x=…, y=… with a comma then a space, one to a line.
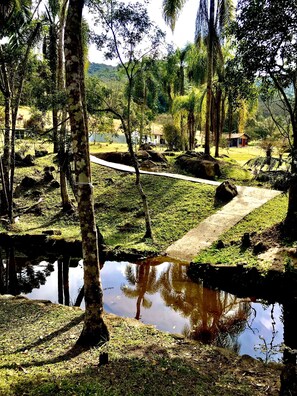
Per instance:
x=212, y=18
x=189, y=106
x=55, y=18
x=51, y=53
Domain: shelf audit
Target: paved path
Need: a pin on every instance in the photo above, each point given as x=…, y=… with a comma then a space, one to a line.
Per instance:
x=127, y=168
x=209, y=230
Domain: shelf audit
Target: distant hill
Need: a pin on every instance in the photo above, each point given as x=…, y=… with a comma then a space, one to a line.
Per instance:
x=104, y=72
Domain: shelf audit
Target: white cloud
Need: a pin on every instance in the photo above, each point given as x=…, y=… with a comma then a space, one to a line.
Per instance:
x=184, y=29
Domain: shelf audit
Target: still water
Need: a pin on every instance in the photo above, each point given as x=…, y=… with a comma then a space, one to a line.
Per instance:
x=161, y=295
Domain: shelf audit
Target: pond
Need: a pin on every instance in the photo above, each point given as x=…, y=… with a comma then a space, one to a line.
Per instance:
x=157, y=293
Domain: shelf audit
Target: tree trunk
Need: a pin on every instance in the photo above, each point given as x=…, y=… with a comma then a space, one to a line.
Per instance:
x=290, y=223
x=191, y=128
x=6, y=158
x=218, y=123
x=210, y=50
x=94, y=330
x=148, y=224
x=289, y=373
x=63, y=158
x=127, y=131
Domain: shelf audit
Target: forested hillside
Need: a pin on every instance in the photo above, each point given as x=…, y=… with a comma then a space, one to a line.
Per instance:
x=104, y=72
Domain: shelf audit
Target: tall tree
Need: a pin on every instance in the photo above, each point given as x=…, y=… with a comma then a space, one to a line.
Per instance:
x=130, y=37
x=189, y=105
x=62, y=136
x=51, y=53
x=266, y=33
x=94, y=330
x=212, y=18
x=19, y=32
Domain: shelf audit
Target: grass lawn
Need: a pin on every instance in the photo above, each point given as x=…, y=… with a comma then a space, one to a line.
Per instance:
x=38, y=358
x=176, y=206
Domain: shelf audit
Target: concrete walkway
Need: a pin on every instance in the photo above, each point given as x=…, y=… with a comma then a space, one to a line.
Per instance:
x=209, y=230
x=127, y=168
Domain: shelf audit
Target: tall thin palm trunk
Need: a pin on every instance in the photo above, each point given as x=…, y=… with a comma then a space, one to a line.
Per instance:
x=210, y=60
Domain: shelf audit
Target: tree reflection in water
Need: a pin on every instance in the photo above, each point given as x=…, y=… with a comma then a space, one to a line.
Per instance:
x=211, y=316
x=20, y=274
x=215, y=317
x=143, y=279
x=289, y=372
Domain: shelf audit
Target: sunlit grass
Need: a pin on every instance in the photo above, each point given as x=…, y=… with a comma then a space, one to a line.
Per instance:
x=271, y=213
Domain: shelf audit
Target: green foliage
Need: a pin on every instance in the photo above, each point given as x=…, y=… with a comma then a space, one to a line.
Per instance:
x=103, y=71
x=36, y=122
x=266, y=36
x=233, y=171
x=273, y=212
x=172, y=136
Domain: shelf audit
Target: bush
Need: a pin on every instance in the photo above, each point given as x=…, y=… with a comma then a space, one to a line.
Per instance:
x=172, y=136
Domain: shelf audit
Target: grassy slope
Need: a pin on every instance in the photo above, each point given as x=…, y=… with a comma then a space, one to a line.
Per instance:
x=271, y=213
x=176, y=206
x=37, y=359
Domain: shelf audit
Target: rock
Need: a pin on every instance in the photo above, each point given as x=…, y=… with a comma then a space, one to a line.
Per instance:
x=220, y=244
x=52, y=232
x=148, y=165
x=48, y=176
x=18, y=158
x=40, y=153
x=199, y=165
x=143, y=155
x=28, y=182
x=49, y=169
x=48, y=173
x=55, y=184
x=260, y=247
x=28, y=160
x=118, y=157
x=156, y=156
x=246, y=240
x=226, y=191
x=146, y=146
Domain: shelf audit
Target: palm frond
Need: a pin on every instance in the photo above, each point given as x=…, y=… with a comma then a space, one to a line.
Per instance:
x=172, y=10
x=202, y=19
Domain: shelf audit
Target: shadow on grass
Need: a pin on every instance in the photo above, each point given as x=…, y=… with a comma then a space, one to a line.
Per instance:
x=55, y=219
x=122, y=377
x=140, y=376
x=54, y=334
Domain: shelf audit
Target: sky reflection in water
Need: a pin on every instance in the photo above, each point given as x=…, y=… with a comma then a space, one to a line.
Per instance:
x=162, y=295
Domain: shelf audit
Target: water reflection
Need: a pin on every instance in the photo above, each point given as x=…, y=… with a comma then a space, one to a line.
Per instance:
x=289, y=372
x=160, y=294
x=142, y=280
x=21, y=275
x=215, y=317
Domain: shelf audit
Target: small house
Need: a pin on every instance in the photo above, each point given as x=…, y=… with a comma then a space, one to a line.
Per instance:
x=237, y=139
